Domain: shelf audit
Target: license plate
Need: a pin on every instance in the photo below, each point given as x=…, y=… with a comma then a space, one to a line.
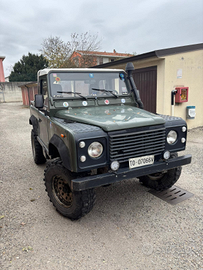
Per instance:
x=141, y=161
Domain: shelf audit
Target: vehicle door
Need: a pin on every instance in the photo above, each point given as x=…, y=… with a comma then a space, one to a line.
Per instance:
x=44, y=113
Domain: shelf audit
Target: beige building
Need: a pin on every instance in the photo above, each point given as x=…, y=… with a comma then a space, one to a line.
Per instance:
x=159, y=72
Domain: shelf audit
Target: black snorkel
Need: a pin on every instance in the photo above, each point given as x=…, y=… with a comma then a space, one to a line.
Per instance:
x=129, y=69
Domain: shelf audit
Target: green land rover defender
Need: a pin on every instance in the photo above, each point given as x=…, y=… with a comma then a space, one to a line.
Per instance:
x=90, y=126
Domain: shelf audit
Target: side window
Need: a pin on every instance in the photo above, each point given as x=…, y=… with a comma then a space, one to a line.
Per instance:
x=44, y=91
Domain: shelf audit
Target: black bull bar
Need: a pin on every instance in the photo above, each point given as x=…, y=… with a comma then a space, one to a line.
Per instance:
x=110, y=177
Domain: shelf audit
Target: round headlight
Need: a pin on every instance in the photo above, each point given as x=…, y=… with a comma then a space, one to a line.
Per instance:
x=172, y=137
x=95, y=149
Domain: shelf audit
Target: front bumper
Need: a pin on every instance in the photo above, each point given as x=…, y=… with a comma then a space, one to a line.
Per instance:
x=93, y=181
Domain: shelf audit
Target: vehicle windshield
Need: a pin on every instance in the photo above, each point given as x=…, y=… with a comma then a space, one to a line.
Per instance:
x=88, y=84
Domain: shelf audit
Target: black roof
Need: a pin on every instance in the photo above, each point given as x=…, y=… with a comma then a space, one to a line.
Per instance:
x=157, y=53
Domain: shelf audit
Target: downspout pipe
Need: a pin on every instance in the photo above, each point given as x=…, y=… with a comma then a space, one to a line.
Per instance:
x=173, y=93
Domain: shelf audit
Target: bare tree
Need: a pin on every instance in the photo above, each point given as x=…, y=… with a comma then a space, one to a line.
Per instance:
x=58, y=52
x=84, y=42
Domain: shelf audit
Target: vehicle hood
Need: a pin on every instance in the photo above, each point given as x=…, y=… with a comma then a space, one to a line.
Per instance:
x=111, y=118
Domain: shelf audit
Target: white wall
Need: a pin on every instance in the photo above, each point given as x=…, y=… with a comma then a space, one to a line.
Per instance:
x=10, y=92
x=191, y=66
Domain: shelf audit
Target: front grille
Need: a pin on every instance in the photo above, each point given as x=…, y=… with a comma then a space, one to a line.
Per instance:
x=136, y=144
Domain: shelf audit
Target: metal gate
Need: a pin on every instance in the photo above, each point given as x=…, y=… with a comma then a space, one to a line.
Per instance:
x=146, y=82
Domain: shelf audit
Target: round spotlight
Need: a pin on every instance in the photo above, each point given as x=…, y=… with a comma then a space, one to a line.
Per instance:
x=115, y=165
x=184, y=129
x=82, y=144
x=83, y=158
x=166, y=155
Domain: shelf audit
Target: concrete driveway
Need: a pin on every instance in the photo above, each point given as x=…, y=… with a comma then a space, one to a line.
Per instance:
x=128, y=228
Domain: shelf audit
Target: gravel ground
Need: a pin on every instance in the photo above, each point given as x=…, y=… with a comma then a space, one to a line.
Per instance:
x=128, y=228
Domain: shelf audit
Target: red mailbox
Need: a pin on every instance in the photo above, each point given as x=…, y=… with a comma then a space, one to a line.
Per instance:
x=182, y=94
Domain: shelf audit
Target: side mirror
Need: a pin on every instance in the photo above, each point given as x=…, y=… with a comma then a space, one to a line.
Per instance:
x=39, y=101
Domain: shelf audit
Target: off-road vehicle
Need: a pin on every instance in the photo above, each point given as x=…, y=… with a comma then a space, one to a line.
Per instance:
x=90, y=126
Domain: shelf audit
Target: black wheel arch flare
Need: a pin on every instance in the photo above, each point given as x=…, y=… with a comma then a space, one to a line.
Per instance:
x=63, y=151
x=34, y=122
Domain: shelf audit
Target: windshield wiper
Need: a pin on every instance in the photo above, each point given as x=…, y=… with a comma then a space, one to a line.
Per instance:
x=64, y=92
x=105, y=90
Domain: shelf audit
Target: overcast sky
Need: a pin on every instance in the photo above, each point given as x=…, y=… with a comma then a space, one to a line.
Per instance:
x=127, y=26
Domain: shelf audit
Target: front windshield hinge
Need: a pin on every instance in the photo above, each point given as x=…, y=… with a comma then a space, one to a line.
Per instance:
x=51, y=101
x=96, y=100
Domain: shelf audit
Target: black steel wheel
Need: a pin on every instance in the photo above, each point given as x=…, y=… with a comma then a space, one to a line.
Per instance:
x=71, y=204
x=62, y=191
x=37, y=149
x=162, y=180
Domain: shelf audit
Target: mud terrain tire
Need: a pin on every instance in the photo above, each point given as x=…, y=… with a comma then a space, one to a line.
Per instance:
x=163, y=180
x=71, y=204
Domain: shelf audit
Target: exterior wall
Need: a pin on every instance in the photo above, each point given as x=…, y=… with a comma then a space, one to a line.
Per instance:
x=25, y=96
x=2, y=79
x=106, y=60
x=10, y=92
x=191, y=64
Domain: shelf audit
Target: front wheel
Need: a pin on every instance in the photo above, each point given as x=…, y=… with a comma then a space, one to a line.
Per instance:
x=71, y=204
x=162, y=180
